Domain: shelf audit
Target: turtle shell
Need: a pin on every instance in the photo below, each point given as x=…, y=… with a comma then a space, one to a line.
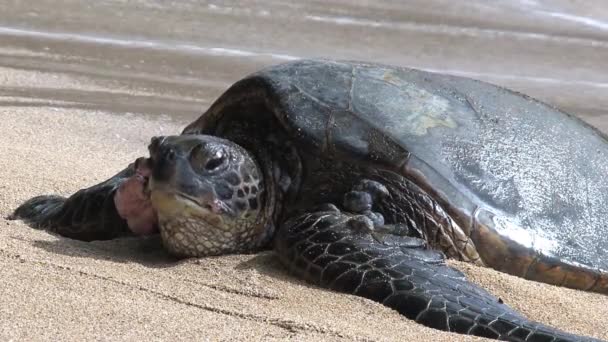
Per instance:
x=524, y=179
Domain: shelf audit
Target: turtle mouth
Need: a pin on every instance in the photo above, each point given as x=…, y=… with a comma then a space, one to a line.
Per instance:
x=175, y=203
x=172, y=205
x=215, y=206
x=207, y=206
x=191, y=199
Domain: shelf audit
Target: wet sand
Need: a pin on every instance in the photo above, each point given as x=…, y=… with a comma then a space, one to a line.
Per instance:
x=174, y=58
x=84, y=86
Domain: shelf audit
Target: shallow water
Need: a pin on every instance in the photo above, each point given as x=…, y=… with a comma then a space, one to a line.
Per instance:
x=174, y=58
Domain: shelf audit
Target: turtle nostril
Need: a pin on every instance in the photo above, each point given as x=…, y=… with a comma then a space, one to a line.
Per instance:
x=170, y=155
x=155, y=143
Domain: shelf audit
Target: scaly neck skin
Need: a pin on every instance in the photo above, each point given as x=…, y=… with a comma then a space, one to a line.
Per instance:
x=279, y=186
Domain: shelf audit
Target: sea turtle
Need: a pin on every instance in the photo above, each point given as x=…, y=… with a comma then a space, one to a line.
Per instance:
x=364, y=176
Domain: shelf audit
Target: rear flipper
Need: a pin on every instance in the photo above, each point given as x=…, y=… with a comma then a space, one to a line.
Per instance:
x=89, y=214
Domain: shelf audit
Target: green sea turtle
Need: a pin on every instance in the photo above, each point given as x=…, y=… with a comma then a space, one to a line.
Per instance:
x=362, y=177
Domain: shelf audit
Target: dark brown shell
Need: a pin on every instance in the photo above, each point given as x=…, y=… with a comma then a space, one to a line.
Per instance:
x=530, y=177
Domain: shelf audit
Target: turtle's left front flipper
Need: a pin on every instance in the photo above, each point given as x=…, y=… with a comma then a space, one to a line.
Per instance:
x=335, y=250
x=89, y=214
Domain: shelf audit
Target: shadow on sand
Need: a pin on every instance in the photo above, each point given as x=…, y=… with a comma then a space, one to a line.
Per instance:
x=149, y=252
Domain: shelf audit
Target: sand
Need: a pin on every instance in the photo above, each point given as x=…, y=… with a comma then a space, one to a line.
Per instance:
x=52, y=288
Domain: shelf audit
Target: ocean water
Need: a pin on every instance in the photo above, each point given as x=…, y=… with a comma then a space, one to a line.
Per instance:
x=173, y=58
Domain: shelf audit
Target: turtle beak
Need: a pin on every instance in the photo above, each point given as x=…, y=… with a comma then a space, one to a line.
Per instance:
x=204, y=198
x=171, y=171
x=165, y=163
x=169, y=164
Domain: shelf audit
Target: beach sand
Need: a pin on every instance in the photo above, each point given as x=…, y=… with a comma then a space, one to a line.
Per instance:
x=54, y=288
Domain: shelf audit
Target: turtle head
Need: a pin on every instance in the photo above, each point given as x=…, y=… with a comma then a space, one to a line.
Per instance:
x=208, y=194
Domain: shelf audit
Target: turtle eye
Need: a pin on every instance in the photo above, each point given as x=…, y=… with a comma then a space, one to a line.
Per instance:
x=207, y=159
x=216, y=161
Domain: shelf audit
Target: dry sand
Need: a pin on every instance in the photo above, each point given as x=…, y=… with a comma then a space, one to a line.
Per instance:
x=54, y=288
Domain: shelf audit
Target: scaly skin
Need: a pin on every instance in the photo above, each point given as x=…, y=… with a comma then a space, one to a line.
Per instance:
x=323, y=248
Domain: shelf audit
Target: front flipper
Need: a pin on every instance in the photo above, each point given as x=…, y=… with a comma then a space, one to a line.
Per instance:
x=89, y=214
x=327, y=249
